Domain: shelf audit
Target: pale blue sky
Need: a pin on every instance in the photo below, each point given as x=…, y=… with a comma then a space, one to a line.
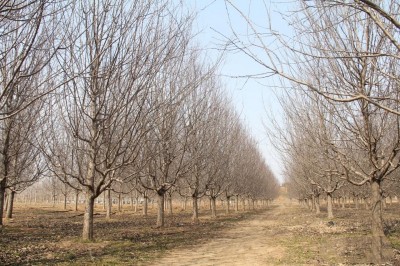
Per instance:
x=251, y=99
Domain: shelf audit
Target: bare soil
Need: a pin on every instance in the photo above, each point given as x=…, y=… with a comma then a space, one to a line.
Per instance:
x=282, y=234
x=45, y=235
x=287, y=234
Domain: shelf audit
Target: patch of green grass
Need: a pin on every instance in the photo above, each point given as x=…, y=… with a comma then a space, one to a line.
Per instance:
x=394, y=241
x=70, y=256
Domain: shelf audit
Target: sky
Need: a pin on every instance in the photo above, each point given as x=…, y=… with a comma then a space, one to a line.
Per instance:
x=251, y=99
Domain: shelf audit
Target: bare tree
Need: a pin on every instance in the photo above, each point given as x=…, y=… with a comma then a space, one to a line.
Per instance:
x=347, y=53
x=29, y=40
x=167, y=139
x=322, y=33
x=200, y=122
x=224, y=138
x=21, y=161
x=115, y=52
x=27, y=45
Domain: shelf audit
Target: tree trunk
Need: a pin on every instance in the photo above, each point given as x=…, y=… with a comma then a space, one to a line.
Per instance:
x=184, y=203
x=108, y=204
x=237, y=203
x=213, y=207
x=170, y=205
x=2, y=197
x=195, y=217
x=87, y=233
x=10, y=204
x=145, y=205
x=160, y=212
x=76, y=199
x=54, y=199
x=377, y=224
x=329, y=205
x=135, y=207
x=313, y=202
x=227, y=205
x=119, y=202
x=104, y=200
x=317, y=206
x=6, y=196
x=65, y=201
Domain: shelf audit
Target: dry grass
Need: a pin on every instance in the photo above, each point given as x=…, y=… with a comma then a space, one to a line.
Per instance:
x=290, y=235
x=43, y=235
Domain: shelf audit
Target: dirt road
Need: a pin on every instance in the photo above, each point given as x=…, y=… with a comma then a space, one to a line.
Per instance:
x=250, y=242
x=285, y=234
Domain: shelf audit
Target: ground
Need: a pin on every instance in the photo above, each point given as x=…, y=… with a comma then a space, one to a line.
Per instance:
x=286, y=234
x=281, y=234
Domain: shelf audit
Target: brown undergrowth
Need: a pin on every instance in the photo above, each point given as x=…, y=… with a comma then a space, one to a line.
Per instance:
x=49, y=236
x=283, y=234
x=292, y=235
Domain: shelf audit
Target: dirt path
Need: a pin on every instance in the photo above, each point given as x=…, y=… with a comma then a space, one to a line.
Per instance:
x=285, y=234
x=250, y=242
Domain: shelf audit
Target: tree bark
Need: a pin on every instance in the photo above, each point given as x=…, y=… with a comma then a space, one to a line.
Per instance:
x=145, y=205
x=104, y=200
x=195, y=216
x=377, y=224
x=329, y=205
x=170, y=205
x=119, y=202
x=184, y=203
x=227, y=209
x=10, y=204
x=160, y=212
x=65, y=201
x=317, y=206
x=313, y=202
x=237, y=203
x=213, y=207
x=2, y=198
x=366, y=203
x=54, y=199
x=87, y=233
x=76, y=199
x=108, y=204
x=6, y=196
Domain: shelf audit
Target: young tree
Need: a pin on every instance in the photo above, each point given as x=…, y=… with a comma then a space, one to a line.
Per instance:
x=347, y=53
x=199, y=119
x=112, y=60
x=28, y=42
x=167, y=138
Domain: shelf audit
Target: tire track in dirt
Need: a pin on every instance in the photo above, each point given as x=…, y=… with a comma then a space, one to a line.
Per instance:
x=249, y=242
